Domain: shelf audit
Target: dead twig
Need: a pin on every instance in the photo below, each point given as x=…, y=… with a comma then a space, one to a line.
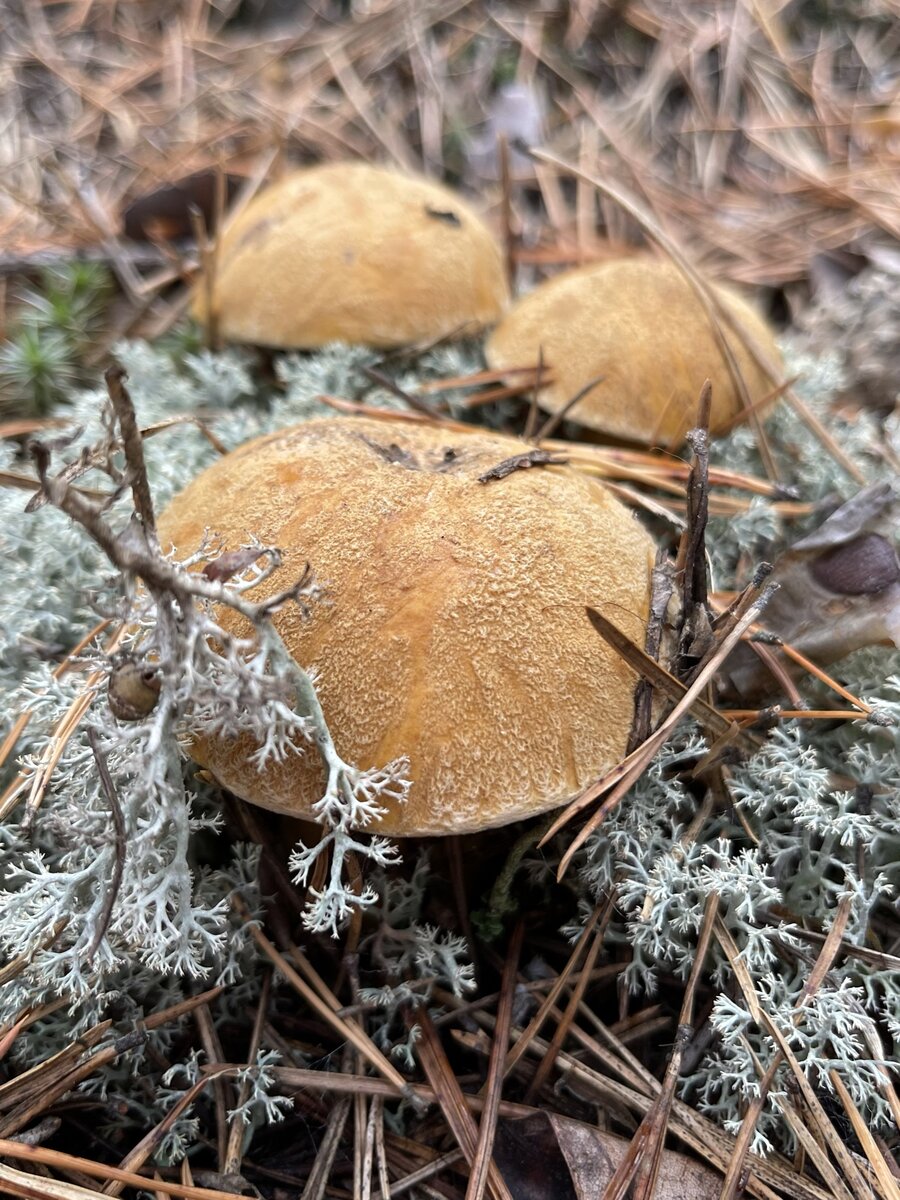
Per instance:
x=450, y=1097
x=328, y=1148
x=119, y=849
x=661, y=587
x=346, y=1028
x=620, y=778
x=133, y=445
x=389, y=385
x=547, y=1063
x=557, y=418
x=69, y=1162
x=830, y=949
x=640, y=1167
x=237, y=1128
x=521, y=462
x=696, y=633
x=656, y=675
x=494, y=1088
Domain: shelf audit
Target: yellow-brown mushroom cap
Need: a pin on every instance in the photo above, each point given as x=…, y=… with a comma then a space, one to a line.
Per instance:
x=638, y=323
x=355, y=253
x=455, y=631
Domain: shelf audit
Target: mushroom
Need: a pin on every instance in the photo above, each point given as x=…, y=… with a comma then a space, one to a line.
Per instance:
x=354, y=253
x=639, y=325
x=455, y=630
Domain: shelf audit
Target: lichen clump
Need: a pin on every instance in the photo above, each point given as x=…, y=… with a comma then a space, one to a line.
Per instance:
x=811, y=835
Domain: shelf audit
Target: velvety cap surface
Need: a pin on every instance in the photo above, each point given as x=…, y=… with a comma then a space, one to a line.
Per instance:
x=639, y=324
x=355, y=253
x=455, y=631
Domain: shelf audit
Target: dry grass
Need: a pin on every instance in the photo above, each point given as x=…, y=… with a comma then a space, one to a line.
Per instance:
x=755, y=136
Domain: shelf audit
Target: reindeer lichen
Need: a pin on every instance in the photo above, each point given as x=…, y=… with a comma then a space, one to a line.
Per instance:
x=812, y=822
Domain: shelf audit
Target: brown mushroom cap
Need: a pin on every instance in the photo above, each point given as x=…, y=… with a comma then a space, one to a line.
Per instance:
x=638, y=323
x=354, y=253
x=456, y=632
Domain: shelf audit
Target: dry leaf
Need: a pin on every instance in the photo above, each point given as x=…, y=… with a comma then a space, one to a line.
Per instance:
x=549, y=1157
x=839, y=589
x=593, y=1156
x=232, y=562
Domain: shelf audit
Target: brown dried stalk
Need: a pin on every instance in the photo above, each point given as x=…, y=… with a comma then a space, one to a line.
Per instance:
x=487, y=1128
x=640, y=1167
x=69, y=1162
x=450, y=1098
x=346, y=1028
x=827, y=954
x=620, y=778
x=118, y=822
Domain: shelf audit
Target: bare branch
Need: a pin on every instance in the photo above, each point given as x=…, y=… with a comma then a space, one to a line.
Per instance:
x=115, y=808
x=132, y=444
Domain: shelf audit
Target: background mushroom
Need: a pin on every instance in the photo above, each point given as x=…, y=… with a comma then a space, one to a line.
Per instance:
x=456, y=631
x=354, y=253
x=637, y=323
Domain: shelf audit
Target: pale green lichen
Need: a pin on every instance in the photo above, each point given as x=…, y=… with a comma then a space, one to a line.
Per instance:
x=816, y=840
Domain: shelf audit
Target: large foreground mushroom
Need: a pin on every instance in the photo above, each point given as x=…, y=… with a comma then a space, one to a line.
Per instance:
x=354, y=253
x=456, y=630
x=638, y=324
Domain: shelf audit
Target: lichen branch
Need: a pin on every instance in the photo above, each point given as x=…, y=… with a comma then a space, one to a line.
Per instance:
x=197, y=680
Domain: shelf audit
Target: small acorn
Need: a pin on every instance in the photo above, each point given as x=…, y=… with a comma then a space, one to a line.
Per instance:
x=133, y=689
